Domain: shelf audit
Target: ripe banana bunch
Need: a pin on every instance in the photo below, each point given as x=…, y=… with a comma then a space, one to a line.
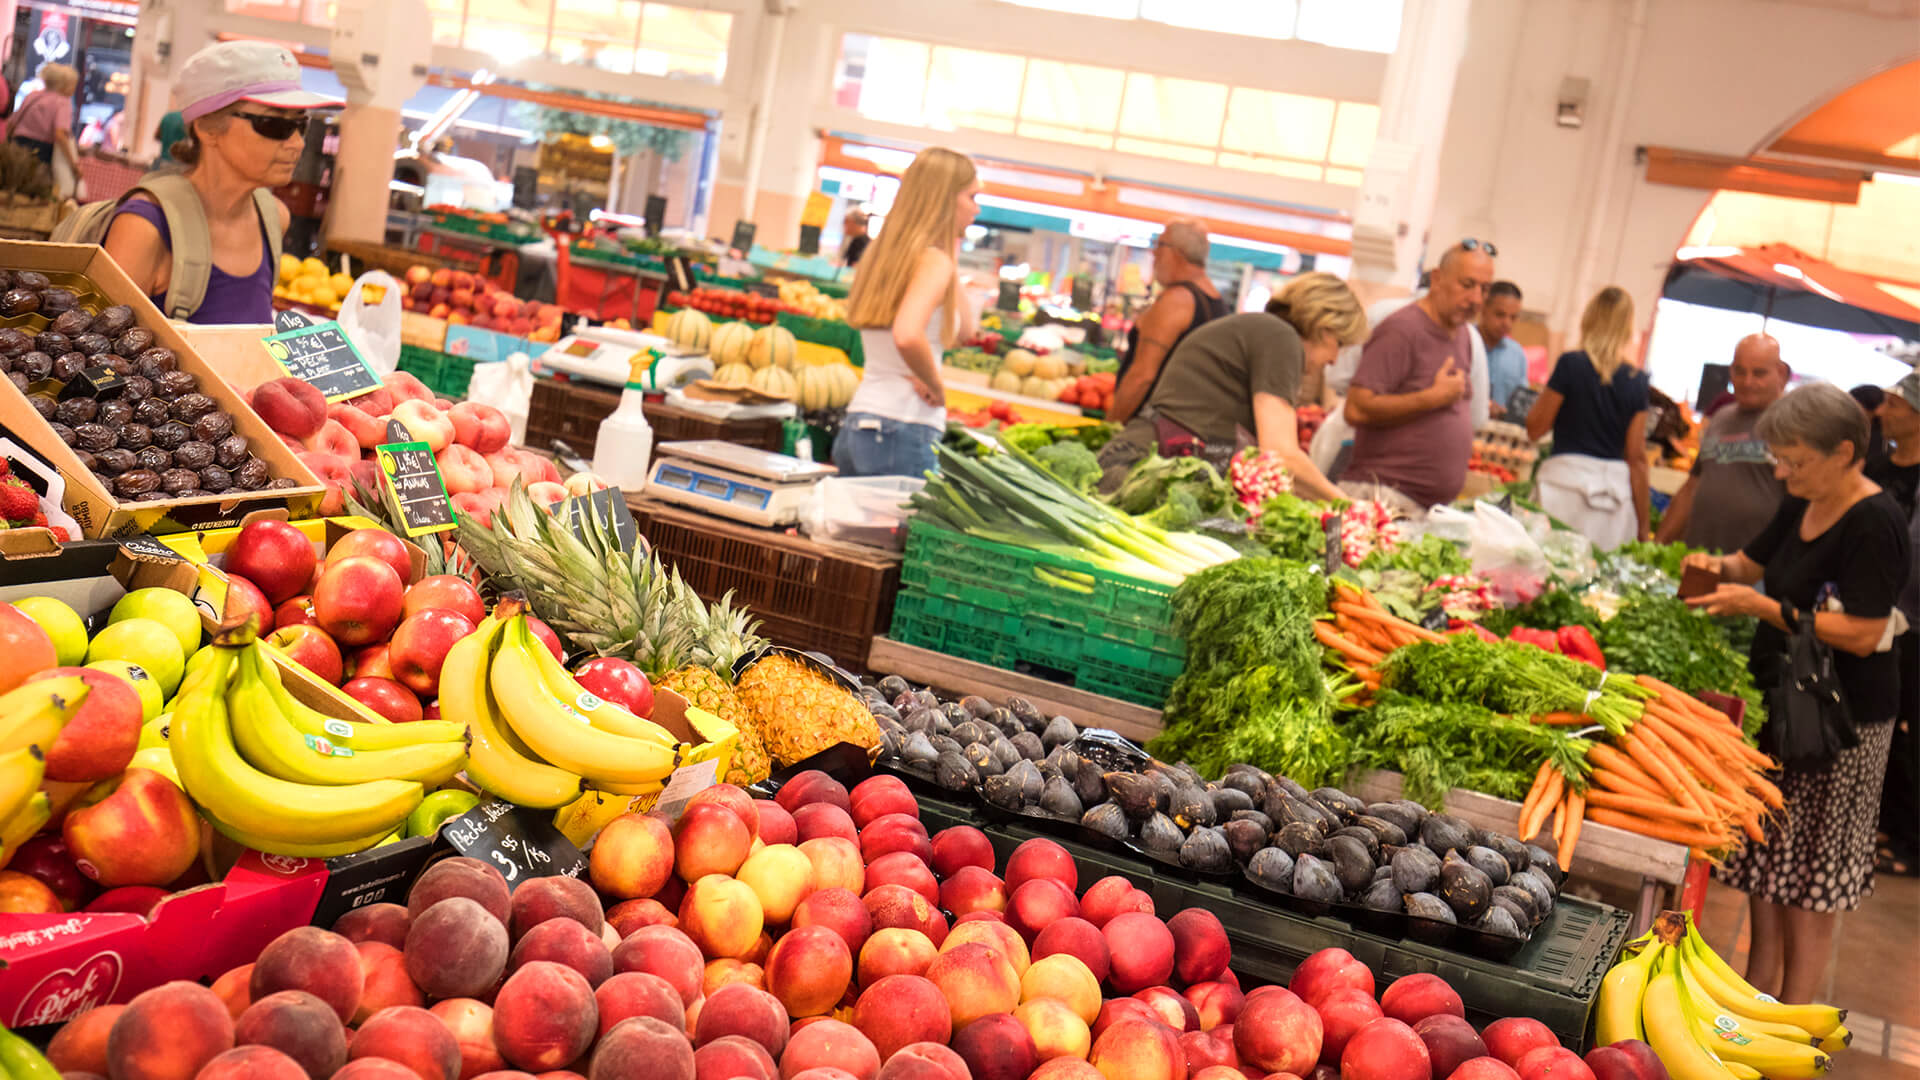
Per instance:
x=230, y=751
x=31, y=717
x=1704, y=1021
x=537, y=737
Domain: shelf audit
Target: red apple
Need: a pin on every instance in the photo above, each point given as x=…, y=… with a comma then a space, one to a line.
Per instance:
x=378, y=543
x=358, y=599
x=133, y=899
x=311, y=648
x=542, y=632
x=102, y=735
x=372, y=662
x=244, y=601
x=294, y=612
x=276, y=557
x=449, y=591
x=618, y=681
x=420, y=645
x=386, y=697
x=144, y=832
x=46, y=857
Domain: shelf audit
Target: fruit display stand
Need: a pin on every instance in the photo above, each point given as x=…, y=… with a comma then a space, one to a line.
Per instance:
x=1604, y=852
x=569, y=412
x=808, y=594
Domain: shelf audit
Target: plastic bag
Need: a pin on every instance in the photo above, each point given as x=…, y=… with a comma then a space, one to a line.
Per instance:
x=374, y=328
x=868, y=510
x=506, y=385
x=1506, y=555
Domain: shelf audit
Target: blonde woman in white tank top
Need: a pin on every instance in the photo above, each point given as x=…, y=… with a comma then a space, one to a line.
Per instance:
x=907, y=304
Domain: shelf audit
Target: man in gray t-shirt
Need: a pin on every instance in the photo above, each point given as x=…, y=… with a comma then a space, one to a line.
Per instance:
x=1733, y=493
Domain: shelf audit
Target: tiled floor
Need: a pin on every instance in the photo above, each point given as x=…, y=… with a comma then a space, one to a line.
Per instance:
x=1875, y=974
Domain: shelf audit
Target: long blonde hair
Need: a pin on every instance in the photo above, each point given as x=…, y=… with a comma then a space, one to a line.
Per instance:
x=921, y=218
x=1606, y=329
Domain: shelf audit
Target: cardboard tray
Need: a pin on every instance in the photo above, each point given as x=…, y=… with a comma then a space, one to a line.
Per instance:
x=100, y=514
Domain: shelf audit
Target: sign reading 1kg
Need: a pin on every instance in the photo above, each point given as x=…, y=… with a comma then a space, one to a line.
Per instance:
x=323, y=355
x=415, y=487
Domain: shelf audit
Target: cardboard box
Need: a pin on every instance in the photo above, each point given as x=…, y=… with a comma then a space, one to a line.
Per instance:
x=100, y=514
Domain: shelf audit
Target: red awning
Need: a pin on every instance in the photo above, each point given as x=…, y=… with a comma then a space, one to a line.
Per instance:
x=1788, y=269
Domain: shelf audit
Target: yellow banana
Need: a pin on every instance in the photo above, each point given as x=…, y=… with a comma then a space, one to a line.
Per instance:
x=496, y=762
x=271, y=743
x=597, y=711
x=356, y=734
x=1705, y=1004
x=582, y=819
x=20, y=774
x=281, y=816
x=554, y=731
x=1837, y=1040
x=1733, y=1039
x=1670, y=1029
x=319, y=849
x=34, y=713
x=1617, y=1013
x=1742, y=1072
x=23, y=825
x=1818, y=1021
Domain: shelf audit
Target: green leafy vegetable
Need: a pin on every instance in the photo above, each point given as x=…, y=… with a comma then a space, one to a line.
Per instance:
x=1511, y=678
x=1663, y=557
x=1661, y=636
x=1442, y=745
x=1071, y=463
x=1430, y=556
x=1150, y=482
x=1180, y=511
x=1028, y=437
x=1289, y=526
x=1551, y=610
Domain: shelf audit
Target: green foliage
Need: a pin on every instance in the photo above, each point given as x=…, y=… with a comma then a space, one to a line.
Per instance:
x=1661, y=636
x=1071, y=463
x=1179, y=513
x=1441, y=745
x=1289, y=526
x=1430, y=557
x=628, y=137
x=1551, y=610
x=1663, y=557
x=1149, y=483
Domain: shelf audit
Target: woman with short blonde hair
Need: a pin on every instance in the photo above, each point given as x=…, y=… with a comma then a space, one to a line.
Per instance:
x=907, y=305
x=1595, y=404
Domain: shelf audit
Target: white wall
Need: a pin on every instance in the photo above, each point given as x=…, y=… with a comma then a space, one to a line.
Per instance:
x=1713, y=75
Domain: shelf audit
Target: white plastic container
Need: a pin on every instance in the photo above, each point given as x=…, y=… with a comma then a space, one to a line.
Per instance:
x=623, y=449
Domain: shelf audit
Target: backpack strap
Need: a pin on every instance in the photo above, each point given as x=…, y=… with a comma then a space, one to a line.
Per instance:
x=191, y=239
x=269, y=208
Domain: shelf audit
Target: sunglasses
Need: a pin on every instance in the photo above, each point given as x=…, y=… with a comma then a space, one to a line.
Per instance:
x=1470, y=244
x=274, y=128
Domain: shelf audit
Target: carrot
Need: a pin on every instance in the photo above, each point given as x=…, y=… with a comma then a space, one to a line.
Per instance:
x=1693, y=756
x=1533, y=793
x=1658, y=809
x=1560, y=719
x=1674, y=761
x=1668, y=690
x=1576, y=805
x=1721, y=742
x=1393, y=623
x=1607, y=757
x=1331, y=639
x=1549, y=798
x=1371, y=635
x=1620, y=785
x=1658, y=830
x=1657, y=767
x=1768, y=793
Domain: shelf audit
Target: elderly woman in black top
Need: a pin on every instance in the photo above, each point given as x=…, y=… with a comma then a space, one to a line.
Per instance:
x=1836, y=552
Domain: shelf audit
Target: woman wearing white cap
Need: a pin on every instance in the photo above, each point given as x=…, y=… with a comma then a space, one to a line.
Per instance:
x=246, y=118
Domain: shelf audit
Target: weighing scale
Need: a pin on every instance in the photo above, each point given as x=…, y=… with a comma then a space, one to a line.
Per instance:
x=730, y=480
x=605, y=355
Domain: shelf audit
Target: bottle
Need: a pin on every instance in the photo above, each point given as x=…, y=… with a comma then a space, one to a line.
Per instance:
x=624, y=446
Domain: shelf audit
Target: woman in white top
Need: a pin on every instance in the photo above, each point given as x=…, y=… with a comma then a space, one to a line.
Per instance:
x=907, y=304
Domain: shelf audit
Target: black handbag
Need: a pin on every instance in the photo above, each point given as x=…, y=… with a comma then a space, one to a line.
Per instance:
x=1808, y=723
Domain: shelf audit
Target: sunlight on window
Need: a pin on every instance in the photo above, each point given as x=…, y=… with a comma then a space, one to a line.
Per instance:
x=1073, y=96
x=1247, y=18
x=1369, y=25
x=1353, y=130
x=1173, y=110
x=1281, y=125
x=973, y=89
x=1295, y=170
x=1169, y=151
x=893, y=86
x=680, y=42
x=595, y=33
x=1108, y=9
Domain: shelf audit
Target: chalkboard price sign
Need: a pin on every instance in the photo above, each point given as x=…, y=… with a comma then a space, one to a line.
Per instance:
x=521, y=844
x=289, y=319
x=743, y=236
x=1009, y=298
x=602, y=505
x=415, y=487
x=1336, y=545
x=323, y=355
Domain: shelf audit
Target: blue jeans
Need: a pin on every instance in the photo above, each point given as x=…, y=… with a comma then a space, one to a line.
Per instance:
x=870, y=445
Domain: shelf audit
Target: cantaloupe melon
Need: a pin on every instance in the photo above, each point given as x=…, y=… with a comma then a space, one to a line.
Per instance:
x=773, y=346
x=730, y=341
x=1020, y=362
x=733, y=374
x=1005, y=381
x=1050, y=366
x=1034, y=386
x=690, y=329
x=774, y=382
x=826, y=386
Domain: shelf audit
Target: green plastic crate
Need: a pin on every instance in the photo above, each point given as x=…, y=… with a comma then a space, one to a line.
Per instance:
x=829, y=332
x=443, y=373
x=1005, y=578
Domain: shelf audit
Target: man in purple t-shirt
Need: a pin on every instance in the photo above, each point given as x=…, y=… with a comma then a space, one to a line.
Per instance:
x=1408, y=404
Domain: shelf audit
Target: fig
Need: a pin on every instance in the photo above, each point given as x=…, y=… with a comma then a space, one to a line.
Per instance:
x=1541, y=859
x=1286, y=810
x=1228, y=801
x=1159, y=834
x=1499, y=922
x=917, y=750
x=1298, y=839
x=975, y=705
x=1519, y=901
x=946, y=745
x=1163, y=788
x=893, y=686
x=968, y=732
x=1415, y=869
x=955, y=714
x=1206, y=849
x=1351, y=863
x=1444, y=832
x=1058, y=732
x=1314, y=880
x=1385, y=832
x=1513, y=851
x=1133, y=792
x=1489, y=862
x=955, y=773
x=1089, y=781
x=1192, y=807
x=1027, y=775
x=1057, y=798
x=1428, y=906
x=1535, y=883
x=1004, y=752
x=1464, y=888
x=1366, y=837
x=1338, y=803
x=1255, y=816
x=1272, y=868
x=1244, y=837
x=1408, y=823
x=1030, y=716
x=1286, y=786
x=1002, y=790
x=1381, y=896
x=1248, y=778
x=1107, y=819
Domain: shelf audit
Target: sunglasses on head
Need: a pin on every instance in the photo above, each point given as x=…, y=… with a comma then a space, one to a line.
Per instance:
x=1470, y=244
x=275, y=128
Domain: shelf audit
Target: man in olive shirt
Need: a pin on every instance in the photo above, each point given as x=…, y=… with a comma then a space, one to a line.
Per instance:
x=1733, y=492
x=1408, y=404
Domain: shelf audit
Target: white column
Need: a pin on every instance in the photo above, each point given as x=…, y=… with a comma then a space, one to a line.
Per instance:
x=381, y=49
x=1397, y=190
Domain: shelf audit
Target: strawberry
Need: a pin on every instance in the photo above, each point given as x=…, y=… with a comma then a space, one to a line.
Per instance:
x=5, y=466
x=18, y=502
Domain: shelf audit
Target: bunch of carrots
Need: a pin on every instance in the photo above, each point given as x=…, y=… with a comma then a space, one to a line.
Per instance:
x=1363, y=632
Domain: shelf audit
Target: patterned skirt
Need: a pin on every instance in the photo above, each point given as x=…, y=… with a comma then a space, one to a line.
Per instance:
x=1819, y=852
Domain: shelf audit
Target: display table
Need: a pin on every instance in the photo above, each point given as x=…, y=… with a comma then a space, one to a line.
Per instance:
x=1603, y=851
x=570, y=412
x=957, y=676
x=809, y=594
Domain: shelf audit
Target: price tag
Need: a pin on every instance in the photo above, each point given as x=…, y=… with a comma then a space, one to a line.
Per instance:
x=1336, y=547
x=809, y=240
x=656, y=214
x=686, y=782
x=1082, y=294
x=290, y=319
x=611, y=503
x=99, y=383
x=415, y=487
x=1436, y=620
x=743, y=237
x=1520, y=403
x=680, y=273
x=520, y=843
x=323, y=355
x=1009, y=299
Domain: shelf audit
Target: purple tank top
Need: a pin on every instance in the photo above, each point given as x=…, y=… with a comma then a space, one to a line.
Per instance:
x=230, y=298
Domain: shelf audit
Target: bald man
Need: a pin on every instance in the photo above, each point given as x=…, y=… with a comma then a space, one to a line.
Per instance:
x=1733, y=493
x=1187, y=301
x=1411, y=403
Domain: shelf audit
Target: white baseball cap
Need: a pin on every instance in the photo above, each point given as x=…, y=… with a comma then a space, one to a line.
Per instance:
x=230, y=71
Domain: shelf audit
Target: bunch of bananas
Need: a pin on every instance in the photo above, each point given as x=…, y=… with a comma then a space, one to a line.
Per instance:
x=31, y=717
x=1704, y=1021
x=538, y=738
x=272, y=773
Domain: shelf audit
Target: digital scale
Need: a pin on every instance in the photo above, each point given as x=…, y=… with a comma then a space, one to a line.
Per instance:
x=605, y=355
x=730, y=480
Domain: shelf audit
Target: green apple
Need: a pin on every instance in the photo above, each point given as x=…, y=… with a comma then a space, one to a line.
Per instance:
x=62, y=624
x=153, y=733
x=167, y=607
x=151, y=699
x=152, y=645
x=437, y=808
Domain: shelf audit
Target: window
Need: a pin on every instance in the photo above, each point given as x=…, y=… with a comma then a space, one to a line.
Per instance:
x=1071, y=103
x=971, y=89
x=682, y=43
x=1285, y=125
x=1370, y=25
x=595, y=33
x=1366, y=25
x=1245, y=18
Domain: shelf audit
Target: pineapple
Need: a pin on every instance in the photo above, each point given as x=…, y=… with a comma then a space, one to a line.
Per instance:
x=801, y=712
x=691, y=649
